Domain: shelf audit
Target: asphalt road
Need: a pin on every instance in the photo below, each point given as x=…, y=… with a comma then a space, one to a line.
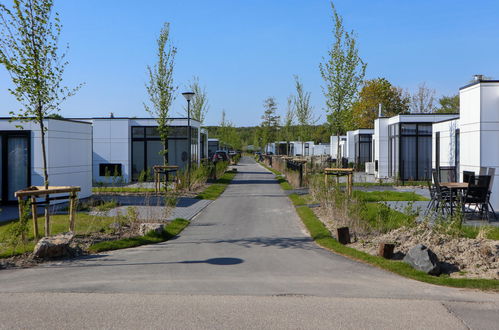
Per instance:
x=244, y=262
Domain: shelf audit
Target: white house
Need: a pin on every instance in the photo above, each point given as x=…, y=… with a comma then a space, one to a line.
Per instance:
x=333, y=146
x=356, y=146
x=68, y=150
x=129, y=146
x=403, y=145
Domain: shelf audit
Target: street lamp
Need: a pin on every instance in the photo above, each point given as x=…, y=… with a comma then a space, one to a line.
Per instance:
x=189, y=96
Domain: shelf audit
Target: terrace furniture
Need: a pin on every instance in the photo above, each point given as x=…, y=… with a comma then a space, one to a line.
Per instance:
x=34, y=192
x=162, y=169
x=443, y=195
x=468, y=176
x=483, y=170
x=477, y=193
x=340, y=172
x=447, y=174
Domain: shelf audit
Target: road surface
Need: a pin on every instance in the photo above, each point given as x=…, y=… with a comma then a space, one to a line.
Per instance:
x=244, y=262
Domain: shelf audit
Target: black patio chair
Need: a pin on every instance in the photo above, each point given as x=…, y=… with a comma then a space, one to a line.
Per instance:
x=468, y=176
x=447, y=174
x=477, y=196
x=441, y=195
x=491, y=173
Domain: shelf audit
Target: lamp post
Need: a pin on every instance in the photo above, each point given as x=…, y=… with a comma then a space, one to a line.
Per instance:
x=188, y=96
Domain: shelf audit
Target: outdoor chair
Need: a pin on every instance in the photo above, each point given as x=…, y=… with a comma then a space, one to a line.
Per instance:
x=483, y=170
x=468, y=176
x=477, y=195
x=447, y=174
x=441, y=196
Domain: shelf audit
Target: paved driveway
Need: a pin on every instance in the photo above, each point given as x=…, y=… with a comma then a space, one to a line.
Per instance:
x=244, y=262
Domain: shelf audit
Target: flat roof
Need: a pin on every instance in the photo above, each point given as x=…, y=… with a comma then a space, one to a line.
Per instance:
x=73, y=120
x=479, y=82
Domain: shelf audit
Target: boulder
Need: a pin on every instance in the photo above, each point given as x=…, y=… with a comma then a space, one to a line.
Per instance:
x=147, y=227
x=422, y=258
x=54, y=246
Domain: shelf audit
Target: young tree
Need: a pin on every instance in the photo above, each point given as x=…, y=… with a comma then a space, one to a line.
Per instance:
x=343, y=73
x=288, y=122
x=29, y=51
x=270, y=122
x=160, y=88
x=374, y=92
x=448, y=104
x=304, y=111
x=199, y=104
x=423, y=100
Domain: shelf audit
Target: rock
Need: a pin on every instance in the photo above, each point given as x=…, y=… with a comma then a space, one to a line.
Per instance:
x=54, y=246
x=422, y=258
x=147, y=227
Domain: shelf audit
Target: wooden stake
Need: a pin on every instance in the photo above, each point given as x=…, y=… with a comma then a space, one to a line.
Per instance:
x=72, y=207
x=47, y=221
x=21, y=211
x=34, y=216
x=343, y=235
x=385, y=250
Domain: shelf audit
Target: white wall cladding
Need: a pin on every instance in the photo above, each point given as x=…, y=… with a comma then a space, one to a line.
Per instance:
x=447, y=130
x=380, y=142
x=479, y=131
x=69, y=153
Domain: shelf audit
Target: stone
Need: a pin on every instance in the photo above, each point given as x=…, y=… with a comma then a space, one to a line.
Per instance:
x=147, y=227
x=54, y=246
x=422, y=258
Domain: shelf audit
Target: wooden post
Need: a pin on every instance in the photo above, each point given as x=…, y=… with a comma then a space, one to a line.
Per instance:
x=72, y=207
x=21, y=211
x=343, y=235
x=47, y=221
x=385, y=250
x=34, y=216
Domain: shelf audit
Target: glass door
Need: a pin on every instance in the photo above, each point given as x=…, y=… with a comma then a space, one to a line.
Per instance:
x=14, y=164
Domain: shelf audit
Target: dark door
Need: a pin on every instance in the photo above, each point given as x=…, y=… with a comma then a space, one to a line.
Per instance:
x=14, y=164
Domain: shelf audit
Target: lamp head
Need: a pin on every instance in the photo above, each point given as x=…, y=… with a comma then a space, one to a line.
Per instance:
x=188, y=95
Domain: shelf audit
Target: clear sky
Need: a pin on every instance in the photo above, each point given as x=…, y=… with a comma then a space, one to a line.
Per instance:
x=247, y=50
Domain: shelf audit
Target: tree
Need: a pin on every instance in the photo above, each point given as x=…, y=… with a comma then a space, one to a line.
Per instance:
x=288, y=122
x=343, y=73
x=448, y=104
x=423, y=100
x=199, y=104
x=270, y=121
x=29, y=51
x=304, y=111
x=228, y=135
x=374, y=92
x=160, y=88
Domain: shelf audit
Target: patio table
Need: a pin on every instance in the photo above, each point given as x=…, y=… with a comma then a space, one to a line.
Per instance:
x=454, y=186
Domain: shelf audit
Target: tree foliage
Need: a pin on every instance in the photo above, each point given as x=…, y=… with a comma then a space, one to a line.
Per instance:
x=342, y=72
x=227, y=134
x=303, y=110
x=374, y=92
x=289, y=119
x=199, y=103
x=160, y=88
x=423, y=100
x=448, y=104
x=29, y=51
x=270, y=121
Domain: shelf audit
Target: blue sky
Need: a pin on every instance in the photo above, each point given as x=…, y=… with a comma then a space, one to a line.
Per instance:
x=244, y=51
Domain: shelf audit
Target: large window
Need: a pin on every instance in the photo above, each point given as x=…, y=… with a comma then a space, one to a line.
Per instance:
x=409, y=154
x=14, y=163
x=147, y=148
x=363, y=148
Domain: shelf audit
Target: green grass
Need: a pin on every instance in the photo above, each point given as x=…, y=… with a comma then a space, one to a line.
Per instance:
x=472, y=232
x=171, y=230
x=106, y=206
x=322, y=236
x=84, y=224
x=216, y=189
x=387, y=195
x=97, y=190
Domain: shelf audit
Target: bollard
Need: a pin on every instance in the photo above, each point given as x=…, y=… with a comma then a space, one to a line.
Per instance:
x=343, y=235
x=385, y=250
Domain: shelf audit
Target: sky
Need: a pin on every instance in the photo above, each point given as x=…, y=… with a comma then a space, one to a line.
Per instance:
x=244, y=51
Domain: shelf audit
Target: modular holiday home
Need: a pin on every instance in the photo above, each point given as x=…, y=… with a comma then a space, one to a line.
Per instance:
x=356, y=146
x=68, y=149
x=471, y=143
x=128, y=147
x=403, y=145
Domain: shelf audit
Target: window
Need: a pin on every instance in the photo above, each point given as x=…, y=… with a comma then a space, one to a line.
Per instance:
x=109, y=169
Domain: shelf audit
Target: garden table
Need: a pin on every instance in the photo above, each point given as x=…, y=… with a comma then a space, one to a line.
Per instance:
x=454, y=186
x=341, y=172
x=162, y=169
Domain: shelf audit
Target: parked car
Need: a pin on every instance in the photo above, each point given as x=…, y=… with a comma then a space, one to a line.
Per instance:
x=220, y=155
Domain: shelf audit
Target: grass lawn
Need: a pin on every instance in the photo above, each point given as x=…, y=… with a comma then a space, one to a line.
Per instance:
x=84, y=224
x=388, y=195
x=216, y=189
x=171, y=230
x=322, y=236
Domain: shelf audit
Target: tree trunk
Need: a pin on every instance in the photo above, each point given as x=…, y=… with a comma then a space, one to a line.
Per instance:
x=338, y=156
x=45, y=173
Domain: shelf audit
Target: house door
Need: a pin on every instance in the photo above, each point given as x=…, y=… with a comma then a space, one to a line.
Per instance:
x=14, y=164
